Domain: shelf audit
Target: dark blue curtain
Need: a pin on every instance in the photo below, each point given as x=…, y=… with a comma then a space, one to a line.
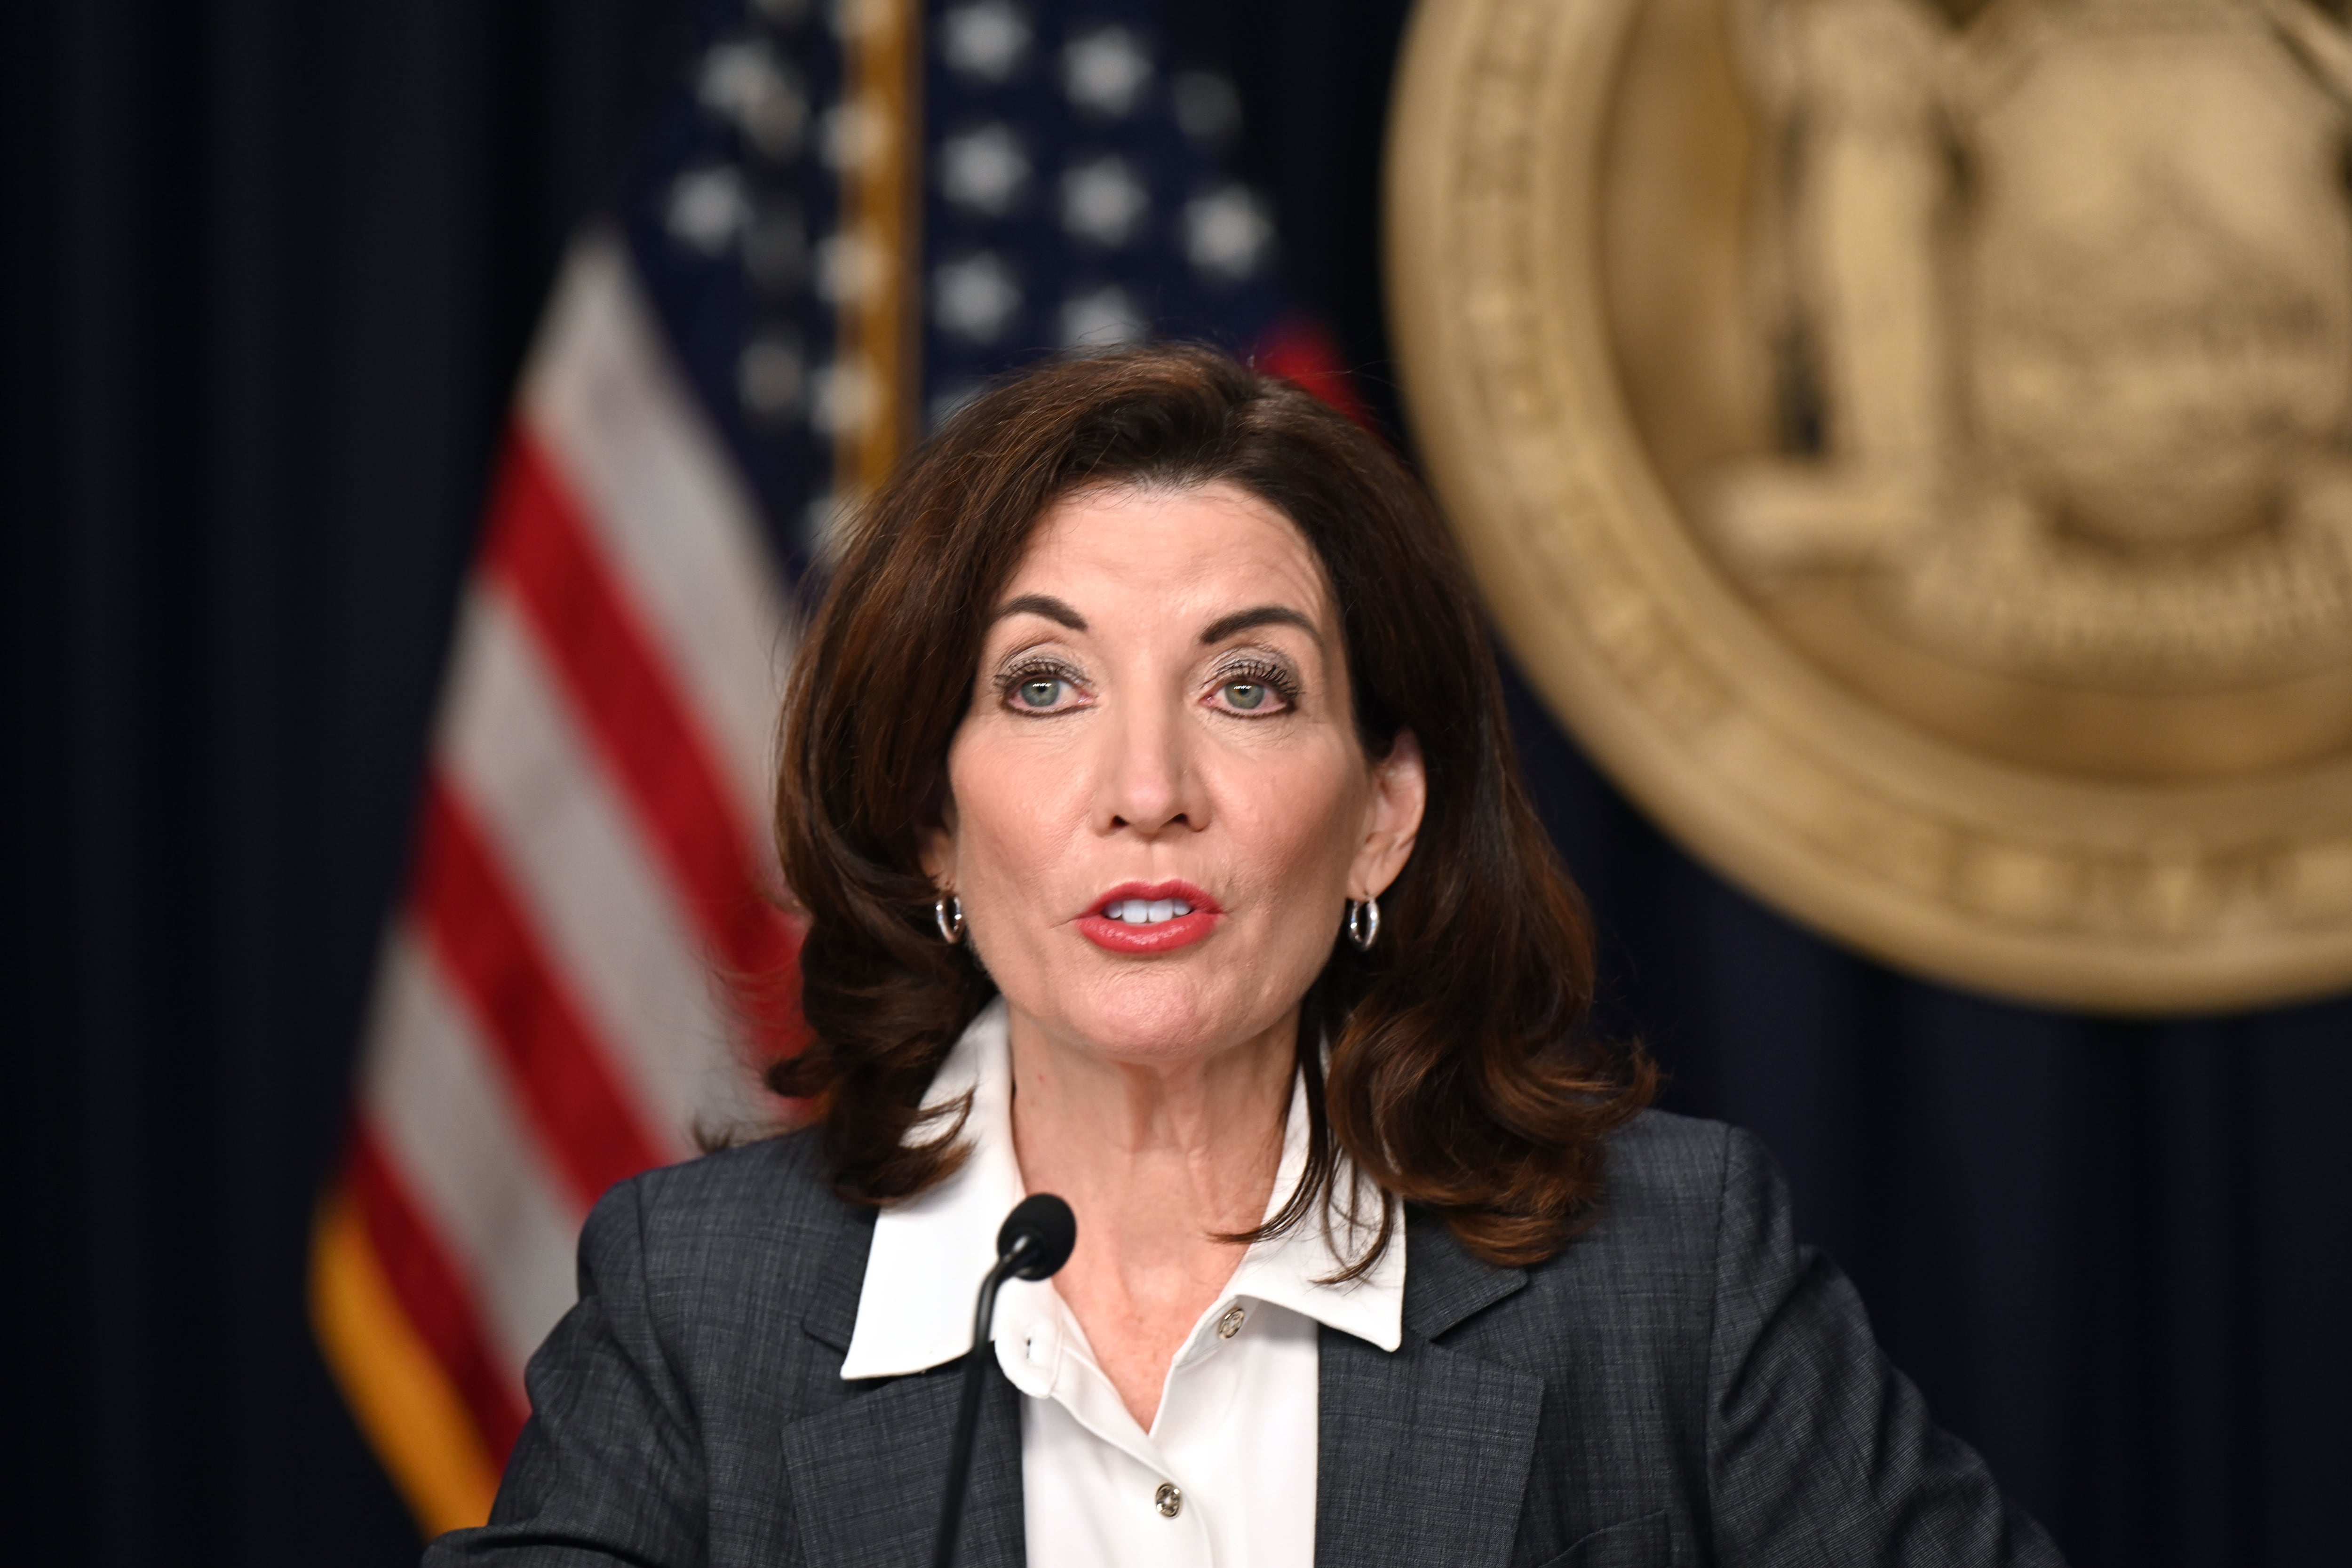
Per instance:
x=270, y=265
x=268, y=269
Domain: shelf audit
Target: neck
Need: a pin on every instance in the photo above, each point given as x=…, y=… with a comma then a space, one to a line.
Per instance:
x=1188, y=1145
x=1156, y=1159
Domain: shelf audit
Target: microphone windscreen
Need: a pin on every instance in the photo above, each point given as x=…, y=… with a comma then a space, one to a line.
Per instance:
x=1052, y=1230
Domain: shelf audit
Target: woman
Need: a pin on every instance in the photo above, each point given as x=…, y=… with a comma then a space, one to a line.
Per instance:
x=1146, y=785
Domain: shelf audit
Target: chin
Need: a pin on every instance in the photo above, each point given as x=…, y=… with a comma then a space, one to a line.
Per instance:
x=1158, y=1014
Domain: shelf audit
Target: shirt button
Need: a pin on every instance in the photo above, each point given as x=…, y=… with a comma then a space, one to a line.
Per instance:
x=1168, y=1500
x=1230, y=1324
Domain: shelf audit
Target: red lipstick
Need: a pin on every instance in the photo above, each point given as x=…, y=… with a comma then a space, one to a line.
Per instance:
x=1104, y=926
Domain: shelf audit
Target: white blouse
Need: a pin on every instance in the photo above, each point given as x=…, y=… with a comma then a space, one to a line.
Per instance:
x=1226, y=1477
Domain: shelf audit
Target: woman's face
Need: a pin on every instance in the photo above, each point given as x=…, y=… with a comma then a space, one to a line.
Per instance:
x=1162, y=723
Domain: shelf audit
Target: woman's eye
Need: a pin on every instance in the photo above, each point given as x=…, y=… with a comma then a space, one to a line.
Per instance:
x=1041, y=691
x=1253, y=694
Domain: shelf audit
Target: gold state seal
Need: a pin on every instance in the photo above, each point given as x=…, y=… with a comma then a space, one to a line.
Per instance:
x=1911, y=445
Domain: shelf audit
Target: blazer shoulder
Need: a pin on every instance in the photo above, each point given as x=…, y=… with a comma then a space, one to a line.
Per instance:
x=1635, y=1286
x=762, y=1215
x=1664, y=1170
x=1653, y=1233
x=782, y=1176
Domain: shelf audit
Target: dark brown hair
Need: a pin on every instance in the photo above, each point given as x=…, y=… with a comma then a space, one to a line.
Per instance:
x=1461, y=1075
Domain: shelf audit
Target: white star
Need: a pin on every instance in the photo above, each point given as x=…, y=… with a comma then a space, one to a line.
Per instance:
x=1103, y=200
x=844, y=398
x=862, y=18
x=976, y=297
x=848, y=269
x=1208, y=108
x=848, y=134
x=708, y=207
x=776, y=247
x=772, y=378
x=987, y=39
x=1226, y=232
x=1101, y=318
x=984, y=169
x=1106, y=70
x=745, y=83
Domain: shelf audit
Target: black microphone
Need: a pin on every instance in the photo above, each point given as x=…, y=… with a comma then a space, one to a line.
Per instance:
x=1035, y=1240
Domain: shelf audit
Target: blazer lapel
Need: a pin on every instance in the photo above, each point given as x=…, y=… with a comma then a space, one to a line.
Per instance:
x=1423, y=1455
x=868, y=1476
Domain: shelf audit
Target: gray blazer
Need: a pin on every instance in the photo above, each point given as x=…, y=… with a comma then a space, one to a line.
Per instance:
x=1684, y=1383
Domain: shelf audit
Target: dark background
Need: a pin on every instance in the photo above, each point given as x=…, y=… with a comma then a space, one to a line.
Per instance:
x=268, y=269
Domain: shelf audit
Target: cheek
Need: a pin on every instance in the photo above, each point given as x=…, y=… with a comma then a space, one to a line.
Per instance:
x=1017, y=812
x=1296, y=824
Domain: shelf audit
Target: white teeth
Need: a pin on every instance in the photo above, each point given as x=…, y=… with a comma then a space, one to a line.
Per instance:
x=1145, y=911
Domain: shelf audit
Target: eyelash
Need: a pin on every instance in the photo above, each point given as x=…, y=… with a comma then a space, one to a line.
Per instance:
x=1022, y=674
x=1260, y=672
x=1251, y=672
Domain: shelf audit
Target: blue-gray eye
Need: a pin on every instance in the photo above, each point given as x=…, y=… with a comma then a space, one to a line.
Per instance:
x=1245, y=694
x=1040, y=692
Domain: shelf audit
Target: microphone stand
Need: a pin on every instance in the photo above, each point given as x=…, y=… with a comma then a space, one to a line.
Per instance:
x=1034, y=1242
x=975, y=1371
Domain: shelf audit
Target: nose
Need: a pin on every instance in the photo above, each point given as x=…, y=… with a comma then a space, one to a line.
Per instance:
x=1147, y=782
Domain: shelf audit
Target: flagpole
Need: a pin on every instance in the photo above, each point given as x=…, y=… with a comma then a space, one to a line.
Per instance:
x=881, y=212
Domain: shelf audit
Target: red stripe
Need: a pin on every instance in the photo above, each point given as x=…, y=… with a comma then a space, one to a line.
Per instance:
x=542, y=548
x=487, y=946
x=432, y=1295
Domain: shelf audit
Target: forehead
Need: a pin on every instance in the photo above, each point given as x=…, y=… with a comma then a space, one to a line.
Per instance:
x=1203, y=548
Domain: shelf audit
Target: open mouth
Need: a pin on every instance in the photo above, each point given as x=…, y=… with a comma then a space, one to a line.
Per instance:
x=1145, y=911
x=1143, y=921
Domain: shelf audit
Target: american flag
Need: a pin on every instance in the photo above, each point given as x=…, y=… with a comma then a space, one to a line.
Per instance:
x=845, y=217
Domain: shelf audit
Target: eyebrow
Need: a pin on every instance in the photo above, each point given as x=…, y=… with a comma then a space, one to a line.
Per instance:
x=1259, y=615
x=1055, y=610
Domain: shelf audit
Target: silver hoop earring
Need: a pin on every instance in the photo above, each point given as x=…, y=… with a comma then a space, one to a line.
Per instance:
x=948, y=912
x=1363, y=924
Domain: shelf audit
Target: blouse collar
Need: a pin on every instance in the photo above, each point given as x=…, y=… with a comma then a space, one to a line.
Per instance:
x=931, y=1252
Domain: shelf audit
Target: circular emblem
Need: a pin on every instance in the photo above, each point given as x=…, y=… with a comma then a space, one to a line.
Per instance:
x=1907, y=443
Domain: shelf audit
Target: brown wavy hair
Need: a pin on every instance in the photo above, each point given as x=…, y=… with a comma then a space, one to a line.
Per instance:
x=1461, y=1075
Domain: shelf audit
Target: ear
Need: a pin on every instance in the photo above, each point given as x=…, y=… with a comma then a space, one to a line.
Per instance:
x=939, y=850
x=1393, y=820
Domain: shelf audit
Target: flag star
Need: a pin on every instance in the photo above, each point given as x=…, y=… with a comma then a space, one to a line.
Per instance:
x=848, y=269
x=1103, y=200
x=1208, y=107
x=1099, y=318
x=1226, y=232
x=776, y=247
x=745, y=83
x=1104, y=70
x=844, y=397
x=976, y=297
x=986, y=40
x=772, y=378
x=708, y=207
x=848, y=135
x=984, y=169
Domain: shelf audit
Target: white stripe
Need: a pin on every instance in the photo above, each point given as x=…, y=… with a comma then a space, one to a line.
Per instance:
x=583, y=869
x=666, y=502
x=452, y=1129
